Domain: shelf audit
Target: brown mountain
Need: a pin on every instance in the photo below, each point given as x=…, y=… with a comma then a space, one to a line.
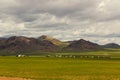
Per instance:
x=81, y=45
x=25, y=44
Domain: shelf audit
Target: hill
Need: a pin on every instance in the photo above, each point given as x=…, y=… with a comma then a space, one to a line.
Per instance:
x=82, y=45
x=111, y=45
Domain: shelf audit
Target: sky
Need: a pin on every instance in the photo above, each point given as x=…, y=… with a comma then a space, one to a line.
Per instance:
x=94, y=20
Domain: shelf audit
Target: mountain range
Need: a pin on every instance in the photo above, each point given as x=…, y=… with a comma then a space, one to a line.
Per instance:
x=22, y=44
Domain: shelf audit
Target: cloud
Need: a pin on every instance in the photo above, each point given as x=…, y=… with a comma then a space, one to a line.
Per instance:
x=96, y=20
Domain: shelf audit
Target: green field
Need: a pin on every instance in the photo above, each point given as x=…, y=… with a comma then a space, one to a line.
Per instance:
x=41, y=68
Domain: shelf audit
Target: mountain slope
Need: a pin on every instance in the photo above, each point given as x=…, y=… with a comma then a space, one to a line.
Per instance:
x=51, y=39
x=2, y=41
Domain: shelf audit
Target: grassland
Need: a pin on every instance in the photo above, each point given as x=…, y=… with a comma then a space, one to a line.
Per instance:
x=41, y=68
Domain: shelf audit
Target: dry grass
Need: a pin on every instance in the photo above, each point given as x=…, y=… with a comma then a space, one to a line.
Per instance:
x=8, y=78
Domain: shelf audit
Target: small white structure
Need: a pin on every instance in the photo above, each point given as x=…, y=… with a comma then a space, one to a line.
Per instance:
x=20, y=55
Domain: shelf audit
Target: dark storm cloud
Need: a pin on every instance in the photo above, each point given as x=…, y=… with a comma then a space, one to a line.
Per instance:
x=23, y=9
